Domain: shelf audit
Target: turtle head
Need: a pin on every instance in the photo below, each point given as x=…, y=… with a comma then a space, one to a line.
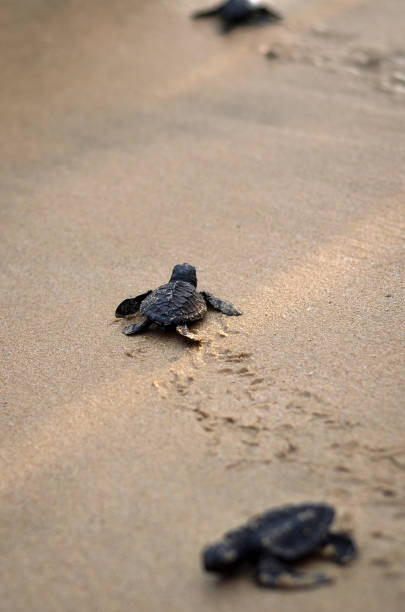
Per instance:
x=184, y=272
x=221, y=557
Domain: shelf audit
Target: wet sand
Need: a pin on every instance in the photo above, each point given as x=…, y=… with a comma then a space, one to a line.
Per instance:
x=133, y=139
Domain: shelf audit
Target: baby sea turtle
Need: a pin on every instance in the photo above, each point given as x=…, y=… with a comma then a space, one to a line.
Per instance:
x=238, y=12
x=174, y=304
x=272, y=541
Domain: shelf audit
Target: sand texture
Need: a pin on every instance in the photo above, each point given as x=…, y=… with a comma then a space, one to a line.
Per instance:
x=273, y=160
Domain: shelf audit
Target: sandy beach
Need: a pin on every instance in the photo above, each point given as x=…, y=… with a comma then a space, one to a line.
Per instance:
x=133, y=138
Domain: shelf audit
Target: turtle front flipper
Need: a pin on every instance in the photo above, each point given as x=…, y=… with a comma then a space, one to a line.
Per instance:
x=221, y=305
x=183, y=330
x=135, y=328
x=339, y=548
x=211, y=12
x=272, y=573
x=130, y=306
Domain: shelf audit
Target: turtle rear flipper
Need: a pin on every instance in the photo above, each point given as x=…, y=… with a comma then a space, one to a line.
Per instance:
x=268, y=14
x=183, y=330
x=264, y=14
x=221, y=305
x=130, y=306
x=339, y=548
x=135, y=328
x=272, y=573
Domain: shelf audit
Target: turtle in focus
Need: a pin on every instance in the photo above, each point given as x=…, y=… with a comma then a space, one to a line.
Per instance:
x=274, y=540
x=239, y=12
x=174, y=304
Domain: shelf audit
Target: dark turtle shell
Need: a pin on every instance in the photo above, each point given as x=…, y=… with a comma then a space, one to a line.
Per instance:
x=293, y=531
x=175, y=303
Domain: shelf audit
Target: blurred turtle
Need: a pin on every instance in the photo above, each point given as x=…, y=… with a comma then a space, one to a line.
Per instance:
x=273, y=541
x=174, y=304
x=239, y=12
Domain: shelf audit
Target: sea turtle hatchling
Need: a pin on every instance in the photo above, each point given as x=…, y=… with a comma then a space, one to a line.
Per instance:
x=272, y=541
x=233, y=13
x=174, y=304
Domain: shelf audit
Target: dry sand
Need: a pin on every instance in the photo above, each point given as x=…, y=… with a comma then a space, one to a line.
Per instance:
x=133, y=139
